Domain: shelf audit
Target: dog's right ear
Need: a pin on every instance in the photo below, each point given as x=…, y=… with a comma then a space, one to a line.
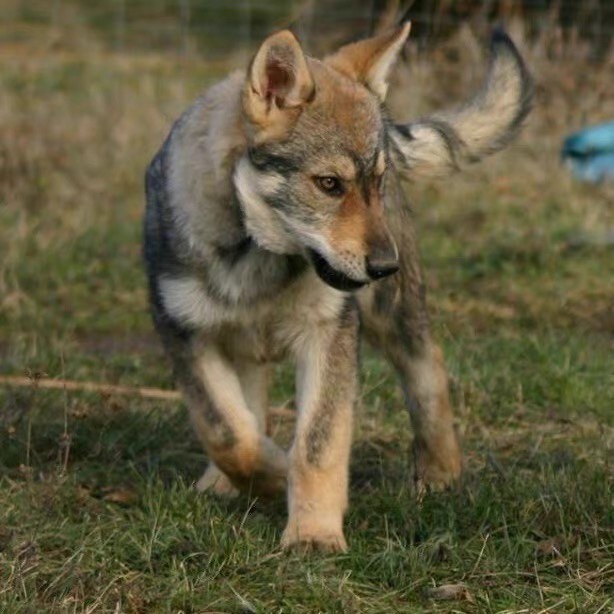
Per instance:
x=277, y=86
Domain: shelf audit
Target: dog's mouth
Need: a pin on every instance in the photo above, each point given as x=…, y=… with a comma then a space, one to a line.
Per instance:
x=331, y=276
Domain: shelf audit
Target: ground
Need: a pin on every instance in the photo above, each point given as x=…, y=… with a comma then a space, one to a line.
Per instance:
x=97, y=509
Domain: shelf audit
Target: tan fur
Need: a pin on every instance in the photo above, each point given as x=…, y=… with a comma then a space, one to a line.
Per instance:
x=370, y=61
x=318, y=490
x=270, y=105
x=350, y=228
x=251, y=458
x=380, y=165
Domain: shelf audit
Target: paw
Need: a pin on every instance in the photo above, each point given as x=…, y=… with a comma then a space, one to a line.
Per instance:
x=216, y=482
x=261, y=484
x=435, y=470
x=309, y=537
x=259, y=470
x=315, y=543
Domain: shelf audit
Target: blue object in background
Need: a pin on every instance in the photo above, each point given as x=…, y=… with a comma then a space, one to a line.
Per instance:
x=590, y=153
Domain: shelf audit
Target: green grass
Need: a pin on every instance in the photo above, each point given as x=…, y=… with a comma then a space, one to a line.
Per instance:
x=97, y=512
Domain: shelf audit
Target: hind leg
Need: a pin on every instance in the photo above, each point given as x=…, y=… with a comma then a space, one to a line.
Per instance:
x=436, y=452
x=394, y=319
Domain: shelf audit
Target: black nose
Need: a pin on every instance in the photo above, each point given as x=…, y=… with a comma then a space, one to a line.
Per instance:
x=378, y=268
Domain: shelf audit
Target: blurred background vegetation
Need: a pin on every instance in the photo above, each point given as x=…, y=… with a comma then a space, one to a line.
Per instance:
x=217, y=27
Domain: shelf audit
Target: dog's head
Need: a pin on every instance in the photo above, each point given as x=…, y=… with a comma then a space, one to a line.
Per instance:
x=319, y=150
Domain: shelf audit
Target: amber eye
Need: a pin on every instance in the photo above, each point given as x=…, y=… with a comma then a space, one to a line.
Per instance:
x=330, y=185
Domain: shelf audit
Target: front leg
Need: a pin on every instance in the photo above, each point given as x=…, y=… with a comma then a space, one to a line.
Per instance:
x=232, y=435
x=254, y=380
x=319, y=457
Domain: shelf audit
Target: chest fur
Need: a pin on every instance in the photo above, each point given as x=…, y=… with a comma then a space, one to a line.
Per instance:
x=258, y=326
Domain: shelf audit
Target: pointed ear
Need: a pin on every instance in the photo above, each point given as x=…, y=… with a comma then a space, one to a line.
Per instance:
x=370, y=61
x=278, y=84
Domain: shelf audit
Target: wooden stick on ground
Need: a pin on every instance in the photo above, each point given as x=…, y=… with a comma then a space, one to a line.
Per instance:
x=63, y=384
x=135, y=391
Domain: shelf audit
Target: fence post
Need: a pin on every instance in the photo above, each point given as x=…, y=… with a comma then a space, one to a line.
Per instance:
x=120, y=25
x=185, y=26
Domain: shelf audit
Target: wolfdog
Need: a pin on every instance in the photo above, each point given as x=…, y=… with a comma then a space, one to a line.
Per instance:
x=276, y=225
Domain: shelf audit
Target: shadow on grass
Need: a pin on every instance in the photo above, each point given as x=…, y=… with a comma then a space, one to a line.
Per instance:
x=112, y=448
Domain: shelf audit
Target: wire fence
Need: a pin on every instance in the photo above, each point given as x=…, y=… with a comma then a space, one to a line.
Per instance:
x=219, y=27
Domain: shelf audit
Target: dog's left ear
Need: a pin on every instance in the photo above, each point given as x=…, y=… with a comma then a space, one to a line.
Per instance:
x=370, y=61
x=278, y=84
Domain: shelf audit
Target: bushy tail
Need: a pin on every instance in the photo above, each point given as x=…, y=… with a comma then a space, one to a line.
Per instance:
x=441, y=143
